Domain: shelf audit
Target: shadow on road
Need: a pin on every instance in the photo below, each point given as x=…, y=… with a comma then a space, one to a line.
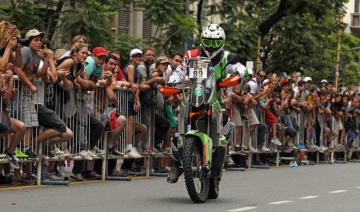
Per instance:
x=187, y=200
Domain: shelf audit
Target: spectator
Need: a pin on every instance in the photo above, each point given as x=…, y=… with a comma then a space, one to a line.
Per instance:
x=32, y=115
x=8, y=43
x=133, y=77
x=77, y=39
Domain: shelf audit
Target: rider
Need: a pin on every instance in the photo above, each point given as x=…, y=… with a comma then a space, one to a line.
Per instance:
x=212, y=47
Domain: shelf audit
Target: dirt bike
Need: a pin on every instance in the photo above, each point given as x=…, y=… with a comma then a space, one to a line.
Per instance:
x=201, y=147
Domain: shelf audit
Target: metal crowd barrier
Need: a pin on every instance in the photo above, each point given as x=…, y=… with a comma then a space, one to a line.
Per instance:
x=77, y=108
x=300, y=140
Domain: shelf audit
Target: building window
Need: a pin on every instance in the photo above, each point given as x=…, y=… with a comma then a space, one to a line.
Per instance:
x=147, y=28
x=124, y=20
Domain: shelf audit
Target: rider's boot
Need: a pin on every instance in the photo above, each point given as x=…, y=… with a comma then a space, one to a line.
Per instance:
x=174, y=173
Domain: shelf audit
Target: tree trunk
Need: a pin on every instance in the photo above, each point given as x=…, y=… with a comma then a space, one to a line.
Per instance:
x=199, y=16
x=53, y=19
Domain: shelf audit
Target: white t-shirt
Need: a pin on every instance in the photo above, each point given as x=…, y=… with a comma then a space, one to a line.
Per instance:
x=254, y=86
x=39, y=96
x=296, y=90
x=174, y=76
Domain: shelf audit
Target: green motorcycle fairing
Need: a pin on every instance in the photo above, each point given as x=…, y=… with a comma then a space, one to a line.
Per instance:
x=207, y=145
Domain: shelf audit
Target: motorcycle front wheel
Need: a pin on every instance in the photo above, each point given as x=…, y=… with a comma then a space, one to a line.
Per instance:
x=213, y=188
x=196, y=179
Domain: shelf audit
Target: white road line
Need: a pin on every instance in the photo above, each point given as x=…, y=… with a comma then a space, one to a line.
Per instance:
x=280, y=202
x=242, y=209
x=309, y=197
x=358, y=187
x=337, y=191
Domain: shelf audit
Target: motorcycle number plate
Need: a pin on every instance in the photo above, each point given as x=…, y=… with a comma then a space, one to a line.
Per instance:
x=198, y=70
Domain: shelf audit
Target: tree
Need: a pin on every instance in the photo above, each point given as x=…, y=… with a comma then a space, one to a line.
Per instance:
x=173, y=26
x=69, y=17
x=296, y=35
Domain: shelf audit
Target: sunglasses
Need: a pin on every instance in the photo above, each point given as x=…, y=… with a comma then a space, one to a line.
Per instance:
x=213, y=43
x=262, y=76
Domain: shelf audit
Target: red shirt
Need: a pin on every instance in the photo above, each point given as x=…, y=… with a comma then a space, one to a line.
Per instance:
x=120, y=75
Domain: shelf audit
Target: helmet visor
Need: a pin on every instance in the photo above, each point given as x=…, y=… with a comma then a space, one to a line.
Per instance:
x=212, y=43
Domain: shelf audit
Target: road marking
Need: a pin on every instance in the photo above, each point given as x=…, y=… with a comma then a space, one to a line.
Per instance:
x=19, y=187
x=309, y=197
x=358, y=187
x=242, y=209
x=337, y=191
x=280, y=202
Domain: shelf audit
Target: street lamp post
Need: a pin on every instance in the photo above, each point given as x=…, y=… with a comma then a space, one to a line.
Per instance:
x=338, y=49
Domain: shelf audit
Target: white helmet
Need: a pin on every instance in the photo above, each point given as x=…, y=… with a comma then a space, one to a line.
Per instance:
x=213, y=31
x=213, y=40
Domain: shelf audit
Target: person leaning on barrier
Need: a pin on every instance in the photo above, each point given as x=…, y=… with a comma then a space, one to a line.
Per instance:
x=70, y=67
x=337, y=108
x=35, y=115
x=162, y=124
x=117, y=74
x=10, y=55
x=173, y=74
x=117, y=122
x=85, y=83
x=266, y=100
x=288, y=130
x=71, y=79
x=133, y=76
x=77, y=39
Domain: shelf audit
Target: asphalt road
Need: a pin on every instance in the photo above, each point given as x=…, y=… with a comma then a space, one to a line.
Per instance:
x=307, y=188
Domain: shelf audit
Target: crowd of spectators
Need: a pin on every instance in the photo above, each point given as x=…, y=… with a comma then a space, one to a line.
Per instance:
x=329, y=118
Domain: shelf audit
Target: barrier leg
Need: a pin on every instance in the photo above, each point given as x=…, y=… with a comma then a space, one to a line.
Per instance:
x=345, y=156
x=250, y=155
x=147, y=165
x=104, y=158
x=39, y=170
x=277, y=158
x=317, y=157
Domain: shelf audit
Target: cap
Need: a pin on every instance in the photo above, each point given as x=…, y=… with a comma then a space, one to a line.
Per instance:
x=99, y=51
x=284, y=82
x=307, y=79
x=135, y=52
x=324, y=81
x=33, y=33
x=162, y=60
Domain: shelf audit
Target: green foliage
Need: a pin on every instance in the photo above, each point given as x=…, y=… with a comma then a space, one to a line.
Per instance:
x=174, y=27
x=91, y=18
x=297, y=35
x=24, y=14
x=350, y=60
x=88, y=17
x=124, y=43
x=302, y=39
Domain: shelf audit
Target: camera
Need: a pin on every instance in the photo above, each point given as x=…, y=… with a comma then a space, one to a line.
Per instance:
x=23, y=42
